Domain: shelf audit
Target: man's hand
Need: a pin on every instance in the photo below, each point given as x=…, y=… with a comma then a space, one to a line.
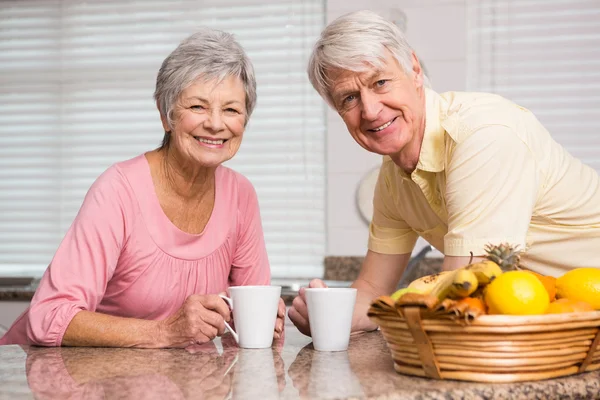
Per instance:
x=298, y=312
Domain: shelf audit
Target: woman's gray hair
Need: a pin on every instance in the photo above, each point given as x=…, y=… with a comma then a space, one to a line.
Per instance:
x=353, y=41
x=207, y=54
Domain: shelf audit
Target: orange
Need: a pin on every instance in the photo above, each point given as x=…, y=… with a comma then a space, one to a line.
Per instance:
x=474, y=304
x=581, y=284
x=561, y=306
x=516, y=293
x=549, y=283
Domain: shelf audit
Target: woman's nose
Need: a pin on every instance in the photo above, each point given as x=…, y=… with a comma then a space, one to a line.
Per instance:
x=214, y=121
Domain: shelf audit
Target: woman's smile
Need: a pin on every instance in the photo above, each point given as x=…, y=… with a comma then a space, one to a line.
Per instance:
x=210, y=142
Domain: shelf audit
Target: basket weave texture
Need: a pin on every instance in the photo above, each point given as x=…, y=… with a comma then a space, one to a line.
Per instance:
x=491, y=348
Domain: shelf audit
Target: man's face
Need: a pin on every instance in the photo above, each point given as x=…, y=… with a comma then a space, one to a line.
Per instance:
x=383, y=109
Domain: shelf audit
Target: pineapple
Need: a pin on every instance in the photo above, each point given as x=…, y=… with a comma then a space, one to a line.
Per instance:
x=505, y=255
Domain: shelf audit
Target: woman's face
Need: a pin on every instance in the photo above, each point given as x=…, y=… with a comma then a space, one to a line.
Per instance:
x=209, y=121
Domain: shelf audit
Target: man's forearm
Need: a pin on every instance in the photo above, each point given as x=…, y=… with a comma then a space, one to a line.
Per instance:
x=453, y=262
x=379, y=276
x=364, y=296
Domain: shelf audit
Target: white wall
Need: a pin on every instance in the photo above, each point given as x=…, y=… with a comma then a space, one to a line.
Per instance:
x=437, y=30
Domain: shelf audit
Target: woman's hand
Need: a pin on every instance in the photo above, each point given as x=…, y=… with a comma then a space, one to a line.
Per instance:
x=280, y=322
x=199, y=320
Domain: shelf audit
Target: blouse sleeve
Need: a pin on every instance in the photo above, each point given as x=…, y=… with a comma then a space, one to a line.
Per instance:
x=250, y=261
x=85, y=261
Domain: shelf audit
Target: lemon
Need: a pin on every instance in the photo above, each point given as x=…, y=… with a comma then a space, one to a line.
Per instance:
x=516, y=293
x=581, y=284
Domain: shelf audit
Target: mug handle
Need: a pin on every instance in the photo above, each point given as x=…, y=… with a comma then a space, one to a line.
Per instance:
x=233, y=333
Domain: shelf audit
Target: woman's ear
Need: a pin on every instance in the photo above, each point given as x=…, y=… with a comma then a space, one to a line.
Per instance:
x=163, y=119
x=417, y=71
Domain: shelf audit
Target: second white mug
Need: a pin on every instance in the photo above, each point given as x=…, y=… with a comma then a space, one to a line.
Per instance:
x=330, y=317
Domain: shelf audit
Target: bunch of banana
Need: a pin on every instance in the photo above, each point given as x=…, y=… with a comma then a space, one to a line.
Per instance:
x=459, y=283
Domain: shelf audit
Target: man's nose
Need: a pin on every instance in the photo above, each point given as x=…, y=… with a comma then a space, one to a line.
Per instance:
x=371, y=106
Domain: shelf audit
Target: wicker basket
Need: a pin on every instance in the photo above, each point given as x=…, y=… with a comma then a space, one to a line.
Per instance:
x=491, y=348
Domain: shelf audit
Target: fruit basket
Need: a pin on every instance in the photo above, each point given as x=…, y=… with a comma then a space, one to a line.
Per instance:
x=488, y=348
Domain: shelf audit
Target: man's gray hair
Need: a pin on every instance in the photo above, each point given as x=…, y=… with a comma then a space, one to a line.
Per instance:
x=207, y=54
x=352, y=42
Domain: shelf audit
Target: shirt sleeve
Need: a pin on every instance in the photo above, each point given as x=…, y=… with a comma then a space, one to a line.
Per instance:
x=492, y=182
x=388, y=232
x=85, y=261
x=250, y=261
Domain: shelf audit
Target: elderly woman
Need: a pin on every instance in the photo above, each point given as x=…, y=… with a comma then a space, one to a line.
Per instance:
x=160, y=235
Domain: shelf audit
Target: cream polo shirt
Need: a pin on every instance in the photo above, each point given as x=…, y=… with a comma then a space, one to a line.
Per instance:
x=489, y=172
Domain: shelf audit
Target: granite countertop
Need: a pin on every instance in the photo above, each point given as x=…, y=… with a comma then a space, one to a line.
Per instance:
x=291, y=369
x=17, y=289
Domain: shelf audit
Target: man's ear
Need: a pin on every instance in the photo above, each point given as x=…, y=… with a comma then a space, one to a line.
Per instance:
x=417, y=70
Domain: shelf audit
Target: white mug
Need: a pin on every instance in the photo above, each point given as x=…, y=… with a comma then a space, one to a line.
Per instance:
x=254, y=313
x=330, y=317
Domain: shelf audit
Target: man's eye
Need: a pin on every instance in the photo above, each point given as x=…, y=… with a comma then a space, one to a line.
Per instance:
x=232, y=110
x=349, y=99
x=381, y=82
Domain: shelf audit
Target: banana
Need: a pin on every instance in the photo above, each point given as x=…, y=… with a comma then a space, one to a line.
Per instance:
x=426, y=283
x=456, y=285
x=486, y=271
x=400, y=292
x=464, y=283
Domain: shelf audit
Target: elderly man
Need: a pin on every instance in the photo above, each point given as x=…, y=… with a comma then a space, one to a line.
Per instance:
x=460, y=169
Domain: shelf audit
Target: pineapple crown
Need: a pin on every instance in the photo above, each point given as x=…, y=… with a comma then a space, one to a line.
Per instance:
x=508, y=257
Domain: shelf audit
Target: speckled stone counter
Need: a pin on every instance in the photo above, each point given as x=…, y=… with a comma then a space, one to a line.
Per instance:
x=22, y=292
x=291, y=369
x=346, y=268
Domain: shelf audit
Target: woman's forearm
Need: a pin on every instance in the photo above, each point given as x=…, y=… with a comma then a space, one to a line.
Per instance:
x=100, y=330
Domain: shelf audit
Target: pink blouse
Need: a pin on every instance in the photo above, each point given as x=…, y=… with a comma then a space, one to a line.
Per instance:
x=122, y=256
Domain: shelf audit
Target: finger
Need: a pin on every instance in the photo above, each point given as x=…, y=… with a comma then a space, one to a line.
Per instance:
x=215, y=320
x=300, y=305
x=281, y=308
x=209, y=331
x=215, y=303
x=279, y=325
x=302, y=294
x=300, y=322
x=201, y=338
x=317, y=283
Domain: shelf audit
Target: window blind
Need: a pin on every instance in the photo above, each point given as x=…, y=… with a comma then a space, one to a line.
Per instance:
x=545, y=56
x=76, y=85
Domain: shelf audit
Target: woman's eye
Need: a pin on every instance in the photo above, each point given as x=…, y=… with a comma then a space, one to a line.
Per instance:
x=381, y=82
x=197, y=107
x=232, y=110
